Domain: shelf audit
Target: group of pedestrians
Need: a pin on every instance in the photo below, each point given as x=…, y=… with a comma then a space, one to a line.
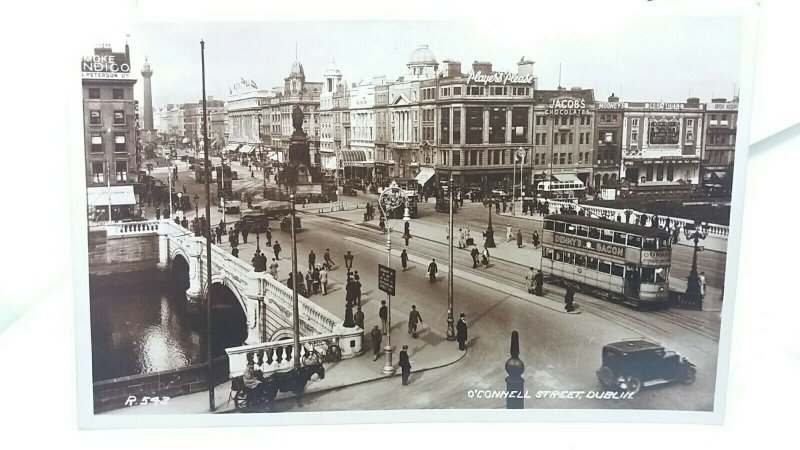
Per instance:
x=414, y=320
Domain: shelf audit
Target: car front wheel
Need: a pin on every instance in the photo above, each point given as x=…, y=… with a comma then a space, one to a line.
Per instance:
x=688, y=374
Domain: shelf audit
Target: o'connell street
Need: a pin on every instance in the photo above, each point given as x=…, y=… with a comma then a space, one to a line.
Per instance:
x=539, y=246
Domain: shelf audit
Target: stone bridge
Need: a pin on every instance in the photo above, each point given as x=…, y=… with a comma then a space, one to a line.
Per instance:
x=266, y=303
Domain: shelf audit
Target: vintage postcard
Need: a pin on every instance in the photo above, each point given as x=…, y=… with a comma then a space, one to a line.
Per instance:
x=423, y=219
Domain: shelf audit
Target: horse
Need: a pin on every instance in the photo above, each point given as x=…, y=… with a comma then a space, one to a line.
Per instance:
x=293, y=381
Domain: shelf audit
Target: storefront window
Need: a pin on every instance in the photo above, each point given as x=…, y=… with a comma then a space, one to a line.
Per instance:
x=519, y=125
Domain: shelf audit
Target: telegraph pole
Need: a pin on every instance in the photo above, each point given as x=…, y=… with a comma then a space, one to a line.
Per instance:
x=207, y=231
x=451, y=333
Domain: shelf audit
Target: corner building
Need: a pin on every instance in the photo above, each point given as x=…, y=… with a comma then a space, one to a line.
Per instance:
x=109, y=117
x=482, y=119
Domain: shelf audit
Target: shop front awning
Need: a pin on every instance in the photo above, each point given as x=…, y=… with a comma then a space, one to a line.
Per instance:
x=567, y=178
x=356, y=158
x=425, y=174
x=117, y=195
x=246, y=148
x=185, y=141
x=231, y=147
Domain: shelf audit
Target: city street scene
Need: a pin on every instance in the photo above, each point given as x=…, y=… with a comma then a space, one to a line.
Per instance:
x=290, y=217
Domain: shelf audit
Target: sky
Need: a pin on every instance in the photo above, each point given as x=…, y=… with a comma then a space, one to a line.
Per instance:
x=638, y=57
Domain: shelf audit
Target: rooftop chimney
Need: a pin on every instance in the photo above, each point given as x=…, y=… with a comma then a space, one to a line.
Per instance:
x=525, y=66
x=451, y=68
x=482, y=66
x=719, y=100
x=695, y=101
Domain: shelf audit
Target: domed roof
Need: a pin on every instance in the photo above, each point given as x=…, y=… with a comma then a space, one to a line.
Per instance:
x=422, y=56
x=297, y=70
x=332, y=71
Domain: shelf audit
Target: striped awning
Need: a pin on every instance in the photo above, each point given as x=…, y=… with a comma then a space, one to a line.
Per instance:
x=115, y=195
x=231, y=147
x=356, y=158
x=246, y=148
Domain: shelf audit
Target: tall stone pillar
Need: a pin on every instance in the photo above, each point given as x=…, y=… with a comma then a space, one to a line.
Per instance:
x=254, y=298
x=147, y=74
x=195, y=251
x=163, y=245
x=485, y=125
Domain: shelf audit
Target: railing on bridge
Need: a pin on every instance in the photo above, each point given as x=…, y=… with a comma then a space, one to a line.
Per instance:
x=720, y=231
x=124, y=229
x=277, y=355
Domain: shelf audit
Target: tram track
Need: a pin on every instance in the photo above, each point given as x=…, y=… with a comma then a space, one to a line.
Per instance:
x=513, y=274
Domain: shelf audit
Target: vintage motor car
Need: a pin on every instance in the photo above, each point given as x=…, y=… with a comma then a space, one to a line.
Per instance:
x=631, y=365
x=286, y=223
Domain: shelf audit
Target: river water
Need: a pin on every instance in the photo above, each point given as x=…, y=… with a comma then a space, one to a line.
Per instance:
x=145, y=327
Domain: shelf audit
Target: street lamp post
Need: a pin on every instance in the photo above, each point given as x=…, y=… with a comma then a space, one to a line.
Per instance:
x=697, y=233
x=390, y=199
x=489, y=242
x=451, y=333
x=295, y=307
x=196, y=199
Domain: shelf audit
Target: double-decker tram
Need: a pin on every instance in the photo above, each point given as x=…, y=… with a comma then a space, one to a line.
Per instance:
x=614, y=260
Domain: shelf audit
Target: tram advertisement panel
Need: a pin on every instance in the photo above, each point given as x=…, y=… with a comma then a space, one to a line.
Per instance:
x=656, y=257
x=599, y=247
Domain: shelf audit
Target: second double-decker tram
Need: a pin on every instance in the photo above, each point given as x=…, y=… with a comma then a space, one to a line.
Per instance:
x=619, y=261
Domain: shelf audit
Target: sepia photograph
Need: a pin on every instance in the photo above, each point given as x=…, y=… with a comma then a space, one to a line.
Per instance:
x=288, y=217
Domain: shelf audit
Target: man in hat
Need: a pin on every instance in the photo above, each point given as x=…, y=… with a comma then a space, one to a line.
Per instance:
x=359, y=318
x=383, y=313
x=376, y=337
x=461, y=332
x=405, y=364
x=413, y=319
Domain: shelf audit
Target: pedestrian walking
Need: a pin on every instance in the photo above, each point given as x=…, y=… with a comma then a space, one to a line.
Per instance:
x=535, y=239
x=485, y=257
x=312, y=260
x=277, y=249
x=376, y=337
x=323, y=279
x=309, y=283
x=569, y=297
x=509, y=233
x=273, y=268
x=519, y=238
x=235, y=252
x=328, y=259
x=414, y=318
x=358, y=318
x=383, y=313
x=432, y=270
x=218, y=233
x=530, y=280
x=158, y=213
x=702, y=277
x=466, y=232
x=461, y=332
x=404, y=259
x=474, y=253
x=382, y=224
x=256, y=261
x=405, y=365
x=269, y=236
x=245, y=232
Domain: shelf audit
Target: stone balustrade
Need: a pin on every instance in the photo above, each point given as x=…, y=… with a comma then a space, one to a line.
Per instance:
x=277, y=356
x=720, y=231
x=125, y=229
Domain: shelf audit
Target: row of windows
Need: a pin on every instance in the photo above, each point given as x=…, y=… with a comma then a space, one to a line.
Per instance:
x=561, y=158
x=589, y=262
x=96, y=117
x=97, y=143
x=563, y=120
x=617, y=237
x=646, y=274
x=116, y=94
x=99, y=171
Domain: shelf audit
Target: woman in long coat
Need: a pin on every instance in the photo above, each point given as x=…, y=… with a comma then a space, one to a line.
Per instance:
x=519, y=238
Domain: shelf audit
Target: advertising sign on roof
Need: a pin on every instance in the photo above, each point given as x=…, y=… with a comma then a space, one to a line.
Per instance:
x=106, y=66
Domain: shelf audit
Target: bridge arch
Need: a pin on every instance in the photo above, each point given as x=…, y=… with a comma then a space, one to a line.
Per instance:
x=228, y=318
x=179, y=273
x=282, y=334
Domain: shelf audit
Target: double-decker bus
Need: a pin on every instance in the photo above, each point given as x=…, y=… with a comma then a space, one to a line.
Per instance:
x=614, y=260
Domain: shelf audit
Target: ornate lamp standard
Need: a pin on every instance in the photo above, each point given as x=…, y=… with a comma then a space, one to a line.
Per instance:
x=196, y=199
x=390, y=199
x=451, y=333
x=489, y=242
x=696, y=233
